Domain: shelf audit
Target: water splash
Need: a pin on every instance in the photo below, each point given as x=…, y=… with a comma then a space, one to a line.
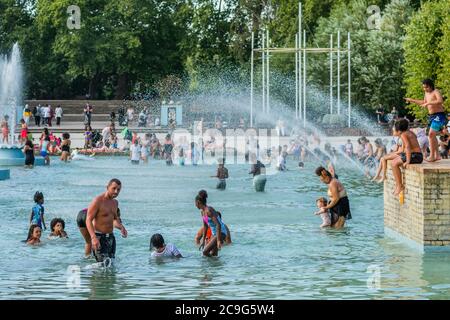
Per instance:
x=11, y=85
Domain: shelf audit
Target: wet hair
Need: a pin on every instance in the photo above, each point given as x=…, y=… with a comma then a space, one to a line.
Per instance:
x=301, y=164
x=201, y=197
x=378, y=142
x=114, y=180
x=38, y=196
x=156, y=241
x=31, y=231
x=66, y=135
x=29, y=143
x=22, y=121
x=322, y=200
x=401, y=125
x=46, y=131
x=321, y=169
x=428, y=83
x=55, y=221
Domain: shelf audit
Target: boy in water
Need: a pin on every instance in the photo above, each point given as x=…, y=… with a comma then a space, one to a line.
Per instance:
x=411, y=153
x=37, y=213
x=222, y=175
x=161, y=249
x=433, y=101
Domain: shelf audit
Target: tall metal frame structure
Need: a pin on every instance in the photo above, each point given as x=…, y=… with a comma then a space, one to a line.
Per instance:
x=300, y=51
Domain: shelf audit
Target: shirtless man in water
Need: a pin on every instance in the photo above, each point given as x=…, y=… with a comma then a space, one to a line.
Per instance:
x=222, y=175
x=437, y=120
x=102, y=213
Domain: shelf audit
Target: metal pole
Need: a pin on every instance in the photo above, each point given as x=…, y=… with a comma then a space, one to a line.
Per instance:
x=263, y=74
x=268, y=75
x=304, y=78
x=296, y=76
x=349, y=81
x=300, y=16
x=251, y=81
x=331, y=73
x=339, y=72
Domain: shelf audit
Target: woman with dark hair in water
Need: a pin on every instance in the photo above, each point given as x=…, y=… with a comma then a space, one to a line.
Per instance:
x=28, y=150
x=219, y=231
x=339, y=205
x=65, y=147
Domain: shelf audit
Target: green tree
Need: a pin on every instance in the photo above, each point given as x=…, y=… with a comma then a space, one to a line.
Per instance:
x=119, y=42
x=426, y=51
x=376, y=54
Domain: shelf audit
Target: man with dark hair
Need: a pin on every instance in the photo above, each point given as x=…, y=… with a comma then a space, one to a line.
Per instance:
x=103, y=213
x=433, y=100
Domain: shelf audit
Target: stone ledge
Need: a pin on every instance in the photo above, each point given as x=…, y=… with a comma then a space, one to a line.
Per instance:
x=424, y=217
x=442, y=166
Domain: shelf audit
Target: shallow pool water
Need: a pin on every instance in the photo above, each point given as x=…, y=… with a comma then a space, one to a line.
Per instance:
x=278, y=250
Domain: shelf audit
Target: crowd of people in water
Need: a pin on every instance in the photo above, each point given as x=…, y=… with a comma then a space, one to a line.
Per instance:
x=97, y=222
x=410, y=144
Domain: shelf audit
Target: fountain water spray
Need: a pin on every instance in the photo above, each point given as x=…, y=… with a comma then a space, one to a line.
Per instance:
x=11, y=77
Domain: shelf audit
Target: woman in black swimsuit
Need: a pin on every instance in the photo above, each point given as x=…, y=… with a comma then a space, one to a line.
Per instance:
x=65, y=147
x=339, y=204
x=28, y=149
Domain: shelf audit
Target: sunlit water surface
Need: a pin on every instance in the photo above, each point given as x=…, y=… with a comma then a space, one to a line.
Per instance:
x=278, y=250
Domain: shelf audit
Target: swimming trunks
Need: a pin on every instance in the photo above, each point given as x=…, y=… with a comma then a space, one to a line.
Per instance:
x=416, y=157
x=65, y=148
x=341, y=209
x=81, y=218
x=135, y=161
x=107, y=246
x=221, y=185
x=437, y=121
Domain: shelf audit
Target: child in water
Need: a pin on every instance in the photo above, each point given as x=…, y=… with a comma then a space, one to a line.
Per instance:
x=5, y=130
x=161, y=249
x=57, y=226
x=222, y=175
x=199, y=235
x=34, y=235
x=321, y=203
x=37, y=213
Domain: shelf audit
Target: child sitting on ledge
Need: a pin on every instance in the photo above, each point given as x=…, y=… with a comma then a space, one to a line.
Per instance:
x=411, y=153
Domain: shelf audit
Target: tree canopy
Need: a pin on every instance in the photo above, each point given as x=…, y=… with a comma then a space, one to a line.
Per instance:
x=127, y=45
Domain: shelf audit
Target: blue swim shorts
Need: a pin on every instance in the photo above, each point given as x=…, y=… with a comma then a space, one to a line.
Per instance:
x=437, y=121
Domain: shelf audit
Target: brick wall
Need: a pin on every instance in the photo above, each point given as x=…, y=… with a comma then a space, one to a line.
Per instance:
x=425, y=215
